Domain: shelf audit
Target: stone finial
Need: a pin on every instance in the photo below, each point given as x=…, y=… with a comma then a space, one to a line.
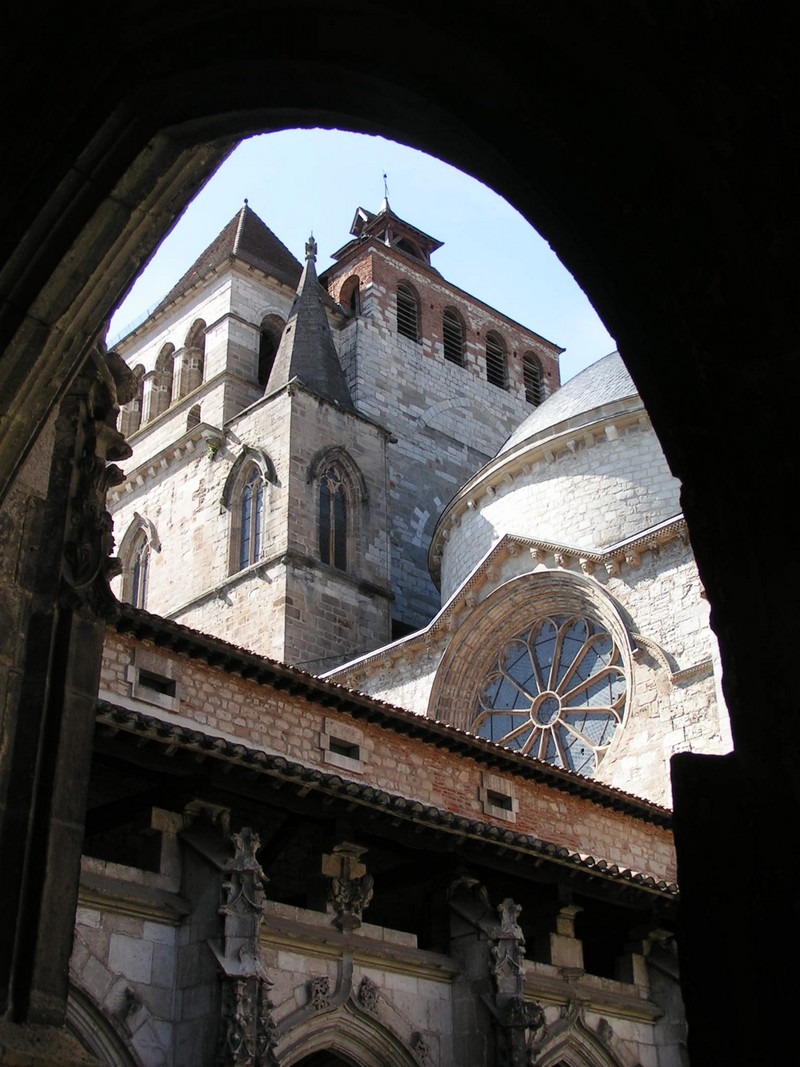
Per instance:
x=311, y=248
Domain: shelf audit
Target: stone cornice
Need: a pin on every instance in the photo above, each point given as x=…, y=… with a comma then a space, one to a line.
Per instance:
x=173, y=738
x=157, y=314
x=614, y=559
x=549, y=988
x=325, y=941
x=287, y=557
x=193, y=440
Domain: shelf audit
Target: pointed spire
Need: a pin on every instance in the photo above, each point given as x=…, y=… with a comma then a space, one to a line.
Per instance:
x=306, y=352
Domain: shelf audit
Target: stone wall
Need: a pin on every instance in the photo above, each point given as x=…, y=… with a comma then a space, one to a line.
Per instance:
x=447, y=419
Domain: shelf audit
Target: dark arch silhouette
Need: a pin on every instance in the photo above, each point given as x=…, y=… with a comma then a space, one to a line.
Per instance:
x=658, y=165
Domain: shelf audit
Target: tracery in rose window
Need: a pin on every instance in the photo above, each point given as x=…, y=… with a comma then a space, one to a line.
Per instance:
x=556, y=691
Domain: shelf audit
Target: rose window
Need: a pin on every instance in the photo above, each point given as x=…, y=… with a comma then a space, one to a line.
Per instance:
x=556, y=691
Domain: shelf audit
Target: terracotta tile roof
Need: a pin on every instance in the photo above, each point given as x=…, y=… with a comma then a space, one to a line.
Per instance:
x=174, y=737
x=280, y=676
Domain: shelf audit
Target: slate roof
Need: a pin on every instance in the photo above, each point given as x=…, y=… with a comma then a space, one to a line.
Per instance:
x=306, y=352
x=248, y=239
x=604, y=382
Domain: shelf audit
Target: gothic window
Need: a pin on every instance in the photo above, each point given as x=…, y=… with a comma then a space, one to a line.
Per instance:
x=269, y=338
x=532, y=377
x=407, y=311
x=496, y=362
x=193, y=417
x=333, y=517
x=350, y=295
x=251, y=518
x=453, y=336
x=556, y=691
x=139, y=571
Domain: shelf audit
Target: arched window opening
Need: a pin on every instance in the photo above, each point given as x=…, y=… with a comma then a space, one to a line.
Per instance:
x=130, y=418
x=269, y=339
x=453, y=336
x=139, y=571
x=193, y=418
x=251, y=518
x=162, y=381
x=407, y=311
x=532, y=377
x=404, y=245
x=333, y=518
x=191, y=361
x=350, y=295
x=496, y=366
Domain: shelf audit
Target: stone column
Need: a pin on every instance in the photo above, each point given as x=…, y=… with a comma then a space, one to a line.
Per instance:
x=62, y=599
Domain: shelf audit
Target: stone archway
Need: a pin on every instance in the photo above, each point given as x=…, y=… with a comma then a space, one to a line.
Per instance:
x=657, y=178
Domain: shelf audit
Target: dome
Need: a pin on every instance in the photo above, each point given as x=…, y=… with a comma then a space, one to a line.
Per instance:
x=605, y=382
x=584, y=469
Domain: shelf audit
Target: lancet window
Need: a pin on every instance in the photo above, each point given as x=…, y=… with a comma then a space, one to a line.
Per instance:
x=333, y=515
x=532, y=377
x=251, y=518
x=272, y=327
x=496, y=360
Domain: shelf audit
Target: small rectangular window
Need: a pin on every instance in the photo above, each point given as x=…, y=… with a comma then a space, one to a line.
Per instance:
x=342, y=745
x=498, y=800
x=157, y=682
x=343, y=748
x=498, y=797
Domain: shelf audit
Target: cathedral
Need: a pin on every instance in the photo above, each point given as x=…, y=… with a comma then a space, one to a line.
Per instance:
x=407, y=635
x=652, y=147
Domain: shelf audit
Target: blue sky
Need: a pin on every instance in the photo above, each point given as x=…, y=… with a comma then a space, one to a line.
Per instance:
x=302, y=181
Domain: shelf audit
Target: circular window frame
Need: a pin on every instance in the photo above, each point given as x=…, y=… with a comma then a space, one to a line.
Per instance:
x=505, y=614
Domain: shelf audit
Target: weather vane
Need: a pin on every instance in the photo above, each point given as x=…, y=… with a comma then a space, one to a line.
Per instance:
x=385, y=188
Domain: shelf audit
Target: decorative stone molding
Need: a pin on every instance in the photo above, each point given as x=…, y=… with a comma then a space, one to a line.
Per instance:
x=351, y=886
x=248, y=1031
x=319, y=993
x=368, y=995
x=570, y=1036
x=167, y=457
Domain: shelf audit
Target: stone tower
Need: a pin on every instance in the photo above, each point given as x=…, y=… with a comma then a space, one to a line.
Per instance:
x=295, y=439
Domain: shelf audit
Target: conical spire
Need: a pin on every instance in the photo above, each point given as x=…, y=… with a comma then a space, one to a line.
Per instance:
x=306, y=352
